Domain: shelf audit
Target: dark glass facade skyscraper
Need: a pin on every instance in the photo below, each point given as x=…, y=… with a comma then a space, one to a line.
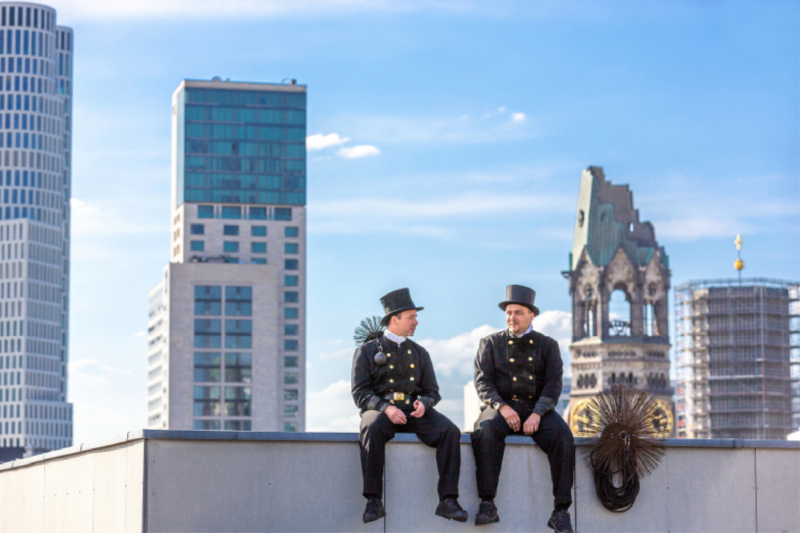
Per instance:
x=227, y=321
x=241, y=146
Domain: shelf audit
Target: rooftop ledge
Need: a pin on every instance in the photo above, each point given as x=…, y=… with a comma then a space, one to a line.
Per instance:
x=223, y=481
x=274, y=436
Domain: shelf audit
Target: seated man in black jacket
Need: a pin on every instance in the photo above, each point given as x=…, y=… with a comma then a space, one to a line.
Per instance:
x=394, y=385
x=518, y=378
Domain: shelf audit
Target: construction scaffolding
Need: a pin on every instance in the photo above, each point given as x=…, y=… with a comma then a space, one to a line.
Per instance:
x=738, y=358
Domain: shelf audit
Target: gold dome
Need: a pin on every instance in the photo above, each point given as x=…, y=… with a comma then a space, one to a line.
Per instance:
x=738, y=264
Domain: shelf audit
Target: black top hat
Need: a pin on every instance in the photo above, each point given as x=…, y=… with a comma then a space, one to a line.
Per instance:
x=396, y=302
x=519, y=294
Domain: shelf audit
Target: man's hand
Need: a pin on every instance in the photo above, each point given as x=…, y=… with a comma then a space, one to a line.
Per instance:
x=511, y=416
x=395, y=415
x=531, y=424
x=419, y=409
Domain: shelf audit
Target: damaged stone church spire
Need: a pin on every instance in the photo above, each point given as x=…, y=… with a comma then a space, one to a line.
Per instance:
x=614, y=251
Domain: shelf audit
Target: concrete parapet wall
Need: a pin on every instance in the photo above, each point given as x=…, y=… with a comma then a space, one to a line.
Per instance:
x=173, y=481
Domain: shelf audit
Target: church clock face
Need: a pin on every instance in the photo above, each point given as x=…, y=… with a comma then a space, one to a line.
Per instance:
x=580, y=418
x=662, y=420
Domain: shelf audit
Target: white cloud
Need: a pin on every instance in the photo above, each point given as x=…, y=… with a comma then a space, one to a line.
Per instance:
x=362, y=150
x=319, y=141
x=469, y=204
x=140, y=334
x=518, y=117
x=450, y=129
x=240, y=9
x=332, y=409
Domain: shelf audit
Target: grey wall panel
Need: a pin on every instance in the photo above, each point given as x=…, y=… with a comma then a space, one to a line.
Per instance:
x=649, y=513
x=778, y=477
x=711, y=490
x=84, y=492
x=204, y=486
x=524, y=499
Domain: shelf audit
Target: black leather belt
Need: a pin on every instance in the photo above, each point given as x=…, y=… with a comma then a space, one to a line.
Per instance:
x=401, y=399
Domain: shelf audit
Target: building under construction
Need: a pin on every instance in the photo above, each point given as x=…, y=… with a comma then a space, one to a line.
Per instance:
x=739, y=357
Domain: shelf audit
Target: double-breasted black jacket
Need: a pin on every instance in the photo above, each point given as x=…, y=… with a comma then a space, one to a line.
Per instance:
x=408, y=369
x=527, y=368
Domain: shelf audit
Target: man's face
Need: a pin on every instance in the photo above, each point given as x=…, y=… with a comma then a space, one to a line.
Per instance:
x=404, y=323
x=518, y=318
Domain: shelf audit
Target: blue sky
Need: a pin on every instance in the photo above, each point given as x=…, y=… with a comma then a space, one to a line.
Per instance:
x=468, y=125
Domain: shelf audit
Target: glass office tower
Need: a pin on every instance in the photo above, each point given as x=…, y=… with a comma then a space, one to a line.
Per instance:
x=35, y=189
x=227, y=321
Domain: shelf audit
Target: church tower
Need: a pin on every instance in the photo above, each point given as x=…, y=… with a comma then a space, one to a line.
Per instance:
x=618, y=281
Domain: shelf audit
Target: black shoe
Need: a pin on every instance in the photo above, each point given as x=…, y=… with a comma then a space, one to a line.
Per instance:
x=449, y=508
x=487, y=514
x=559, y=521
x=374, y=511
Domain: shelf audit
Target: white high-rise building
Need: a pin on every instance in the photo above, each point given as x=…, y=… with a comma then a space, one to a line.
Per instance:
x=227, y=321
x=35, y=189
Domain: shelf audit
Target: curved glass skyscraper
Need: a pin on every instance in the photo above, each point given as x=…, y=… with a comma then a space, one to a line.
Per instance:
x=35, y=183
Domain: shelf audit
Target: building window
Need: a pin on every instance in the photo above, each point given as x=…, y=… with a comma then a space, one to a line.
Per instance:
x=208, y=300
x=197, y=229
x=197, y=246
x=291, y=312
x=291, y=264
x=258, y=231
x=290, y=395
x=230, y=246
x=258, y=261
x=291, y=281
x=238, y=333
x=231, y=212
x=291, y=231
x=206, y=401
x=290, y=426
x=291, y=378
x=258, y=247
x=291, y=297
x=291, y=361
x=237, y=401
x=238, y=425
x=207, y=333
x=207, y=367
x=283, y=213
x=291, y=248
x=230, y=230
x=290, y=329
x=291, y=345
x=258, y=213
x=206, y=424
x=290, y=410
x=205, y=211
x=239, y=301
x=238, y=367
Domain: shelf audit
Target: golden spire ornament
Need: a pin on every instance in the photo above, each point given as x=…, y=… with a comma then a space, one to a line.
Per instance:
x=738, y=264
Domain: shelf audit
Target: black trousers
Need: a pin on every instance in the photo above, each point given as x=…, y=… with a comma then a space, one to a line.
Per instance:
x=553, y=437
x=433, y=428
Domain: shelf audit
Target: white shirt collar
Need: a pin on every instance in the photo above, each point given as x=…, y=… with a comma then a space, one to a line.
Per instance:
x=397, y=339
x=530, y=328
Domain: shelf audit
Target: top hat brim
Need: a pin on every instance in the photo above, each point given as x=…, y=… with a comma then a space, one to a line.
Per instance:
x=385, y=320
x=529, y=306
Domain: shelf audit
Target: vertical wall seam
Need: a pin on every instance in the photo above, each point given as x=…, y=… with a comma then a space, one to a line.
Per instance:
x=755, y=481
x=145, y=445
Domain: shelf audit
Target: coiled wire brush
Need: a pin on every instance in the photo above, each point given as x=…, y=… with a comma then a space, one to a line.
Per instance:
x=624, y=447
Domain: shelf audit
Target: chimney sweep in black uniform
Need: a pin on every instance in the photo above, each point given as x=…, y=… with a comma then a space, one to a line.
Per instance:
x=518, y=378
x=394, y=385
